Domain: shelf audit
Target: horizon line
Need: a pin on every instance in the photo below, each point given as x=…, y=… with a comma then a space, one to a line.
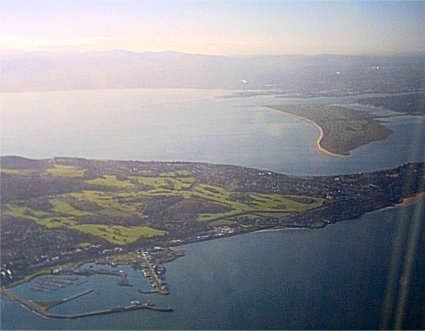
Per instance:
x=20, y=52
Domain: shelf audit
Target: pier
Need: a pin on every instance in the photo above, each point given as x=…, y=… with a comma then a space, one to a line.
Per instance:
x=48, y=305
x=154, y=291
x=28, y=304
x=157, y=282
x=43, y=311
x=118, y=309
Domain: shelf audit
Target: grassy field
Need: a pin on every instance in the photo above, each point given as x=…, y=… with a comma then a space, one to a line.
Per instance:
x=63, y=208
x=115, y=234
x=21, y=172
x=110, y=203
x=273, y=202
x=119, y=235
x=126, y=197
x=65, y=171
x=111, y=181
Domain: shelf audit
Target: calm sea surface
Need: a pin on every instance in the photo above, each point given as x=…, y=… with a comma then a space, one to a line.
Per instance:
x=330, y=278
x=189, y=125
x=333, y=278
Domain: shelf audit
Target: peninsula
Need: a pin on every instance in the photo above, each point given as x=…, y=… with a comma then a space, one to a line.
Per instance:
x=65, y=211
x=340, y=129
x=409, y=104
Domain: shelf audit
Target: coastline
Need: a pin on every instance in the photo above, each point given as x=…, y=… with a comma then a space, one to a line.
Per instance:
x=6, y=292
x=278, y=229
x=321, y=133
x=303, y=196
x=406, y=202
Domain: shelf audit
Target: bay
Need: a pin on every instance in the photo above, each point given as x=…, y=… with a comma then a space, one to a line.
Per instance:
x=333, y=278
x=190, y=125
x=330, y=278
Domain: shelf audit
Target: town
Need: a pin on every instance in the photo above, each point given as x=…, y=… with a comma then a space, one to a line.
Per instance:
x=61, y=213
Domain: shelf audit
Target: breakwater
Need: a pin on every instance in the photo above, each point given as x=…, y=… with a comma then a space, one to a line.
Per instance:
x=59, y=302
x=118, y=309
x=43, y=310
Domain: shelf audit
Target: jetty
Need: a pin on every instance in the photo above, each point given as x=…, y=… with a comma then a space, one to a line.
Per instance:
x=154, y=291
x=149, y=272
x=50, y=304
x=119, y=309
x=43, y=311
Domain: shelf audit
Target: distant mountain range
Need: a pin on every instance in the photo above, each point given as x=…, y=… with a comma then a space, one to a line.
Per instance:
x=34, y=71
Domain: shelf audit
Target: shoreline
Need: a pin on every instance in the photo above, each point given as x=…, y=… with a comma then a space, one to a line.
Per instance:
x=414, y=199
x=406, y=202
x=278, y=229
x=38, y=310
x=317, y=126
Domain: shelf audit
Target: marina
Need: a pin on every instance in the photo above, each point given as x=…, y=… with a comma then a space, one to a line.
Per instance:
x=208, y=273
x=60, y=278
x=51, y=283
x=297, y=257
x=42, y=308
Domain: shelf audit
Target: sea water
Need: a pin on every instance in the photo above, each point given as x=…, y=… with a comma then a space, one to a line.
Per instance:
x=190, y=125
x=330, y=278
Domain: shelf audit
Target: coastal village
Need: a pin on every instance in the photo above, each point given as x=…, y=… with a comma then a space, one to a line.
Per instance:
x=91, y=217
x=147, y=262
x=203, y=202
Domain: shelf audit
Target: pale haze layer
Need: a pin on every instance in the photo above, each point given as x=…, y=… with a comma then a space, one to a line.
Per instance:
x=214, y=27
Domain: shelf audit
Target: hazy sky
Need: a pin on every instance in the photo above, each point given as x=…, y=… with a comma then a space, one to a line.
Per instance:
x=215, y=27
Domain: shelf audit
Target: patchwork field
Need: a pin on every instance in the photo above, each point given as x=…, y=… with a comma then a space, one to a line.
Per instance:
x=68, y=210
x=122, y=207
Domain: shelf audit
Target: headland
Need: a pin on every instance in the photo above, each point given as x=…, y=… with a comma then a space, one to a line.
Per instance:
x=341, y=130
x=406, y=103
x=85, y=210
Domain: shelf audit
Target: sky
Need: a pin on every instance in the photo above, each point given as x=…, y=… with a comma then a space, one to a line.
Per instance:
x=234, y=28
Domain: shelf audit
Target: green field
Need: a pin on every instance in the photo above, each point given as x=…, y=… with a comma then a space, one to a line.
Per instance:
x=22, y=172
x=111, y=181
x=65, y=171
x=124, y=209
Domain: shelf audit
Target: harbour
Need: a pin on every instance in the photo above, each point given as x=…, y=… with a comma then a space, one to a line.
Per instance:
x=306, y=284
x=38, y=309
x=64, y=277
x=149, y=272
x=121, y=274
x=230, y=269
